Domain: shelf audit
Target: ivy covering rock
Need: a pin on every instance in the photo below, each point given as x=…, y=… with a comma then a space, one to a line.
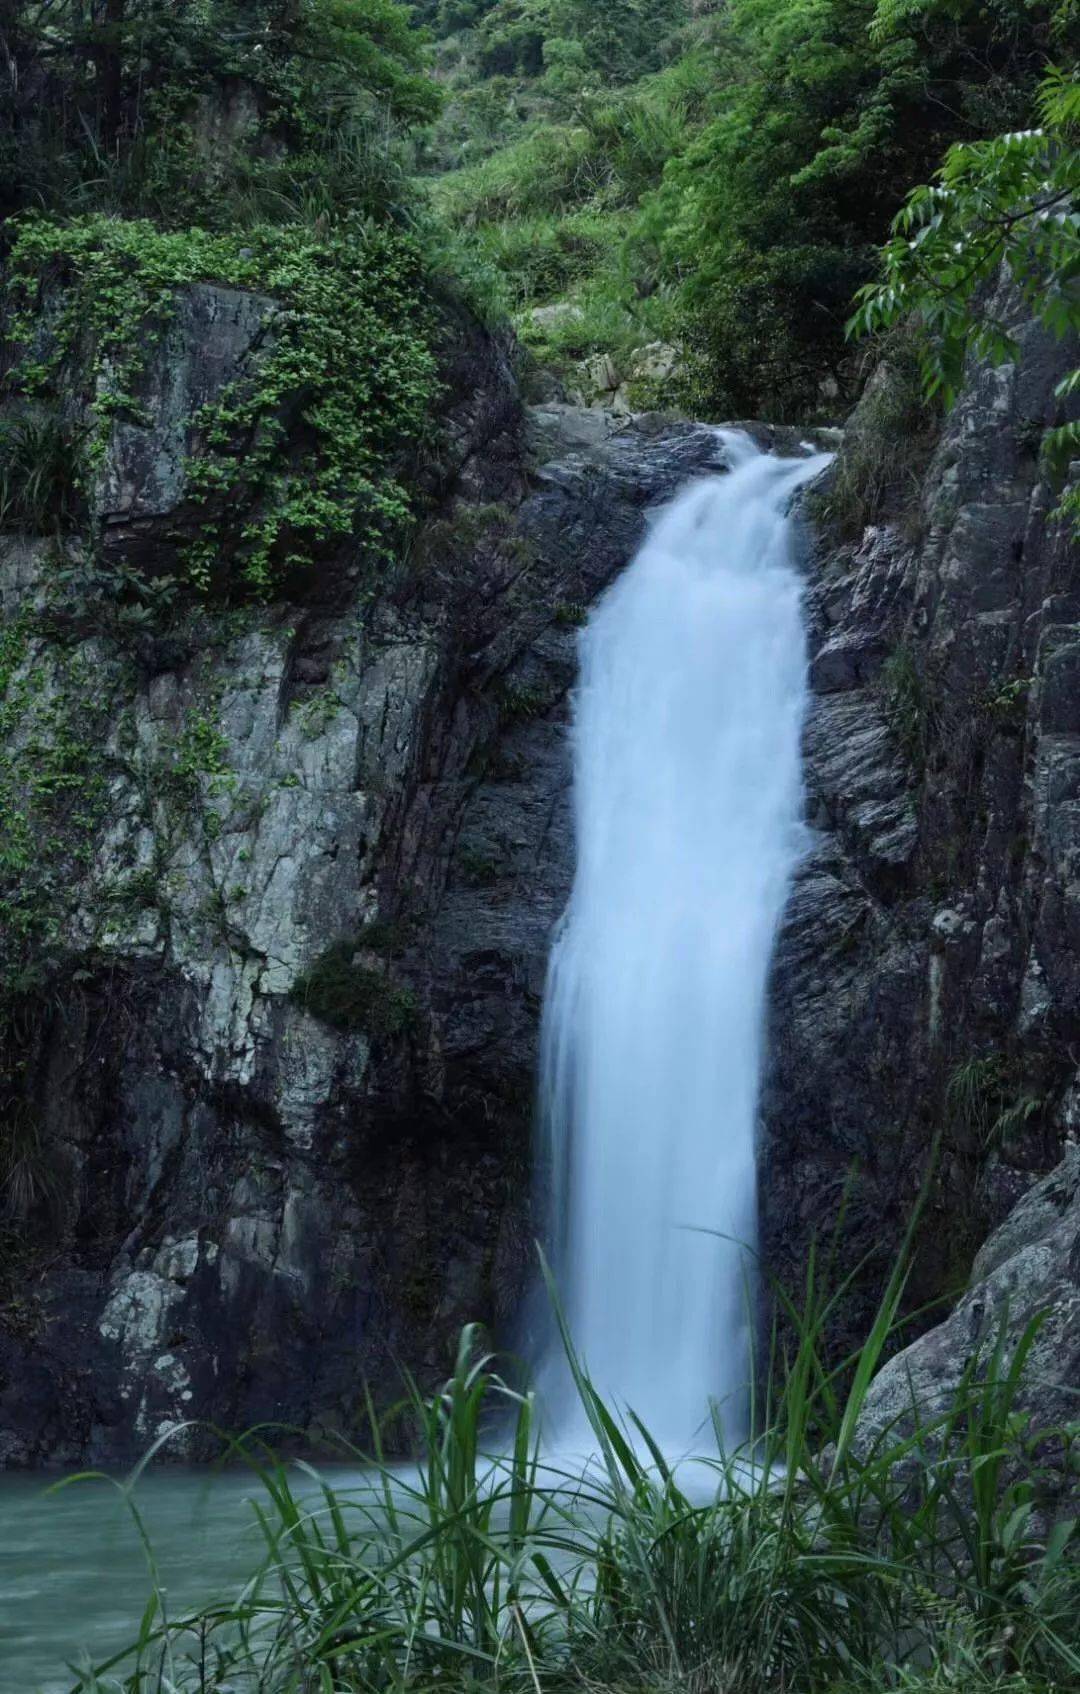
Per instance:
x=304, y=449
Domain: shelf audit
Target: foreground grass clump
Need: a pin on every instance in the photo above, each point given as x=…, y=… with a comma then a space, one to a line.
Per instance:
x=810, y=1560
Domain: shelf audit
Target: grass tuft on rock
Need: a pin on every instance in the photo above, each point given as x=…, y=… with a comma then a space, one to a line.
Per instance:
x=345, y=991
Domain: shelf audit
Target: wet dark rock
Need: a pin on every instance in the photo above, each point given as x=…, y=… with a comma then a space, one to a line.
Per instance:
x=934, y=922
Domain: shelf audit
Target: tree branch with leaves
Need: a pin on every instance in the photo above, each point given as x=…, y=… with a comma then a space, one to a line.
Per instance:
x=1012, y=205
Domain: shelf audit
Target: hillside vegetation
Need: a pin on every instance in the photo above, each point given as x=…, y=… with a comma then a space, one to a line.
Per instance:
x=714, y=178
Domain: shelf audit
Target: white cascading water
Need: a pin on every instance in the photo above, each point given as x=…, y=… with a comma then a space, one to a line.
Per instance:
x=688, y=799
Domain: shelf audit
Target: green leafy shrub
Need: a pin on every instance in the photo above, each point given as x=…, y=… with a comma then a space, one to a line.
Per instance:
x=344, y=991
x=300, y=454
x=549, y=170
x=1005, y=204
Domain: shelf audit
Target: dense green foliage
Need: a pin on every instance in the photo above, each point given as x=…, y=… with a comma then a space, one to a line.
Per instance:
x=769, y=219
x=812, y=1560
x=259, y=146
x=726, y=182
x=207, y=113
x=714, y=178
x=1008, y=203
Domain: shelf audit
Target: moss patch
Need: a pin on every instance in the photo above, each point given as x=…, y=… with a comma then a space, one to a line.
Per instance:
x=343, y=991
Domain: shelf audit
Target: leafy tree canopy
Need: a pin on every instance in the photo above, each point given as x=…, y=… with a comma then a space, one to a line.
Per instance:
x=770, y=218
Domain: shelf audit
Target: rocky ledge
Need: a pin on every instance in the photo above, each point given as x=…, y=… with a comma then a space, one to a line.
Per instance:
x=1024, y=1293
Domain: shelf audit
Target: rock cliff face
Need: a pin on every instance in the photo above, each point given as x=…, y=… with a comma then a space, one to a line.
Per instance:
x=274, y=1067
x=271, y=1044
x=926, y=977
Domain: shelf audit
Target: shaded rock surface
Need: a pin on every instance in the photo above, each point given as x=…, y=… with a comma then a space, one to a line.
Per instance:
x=925, y=983
x=277, y=1058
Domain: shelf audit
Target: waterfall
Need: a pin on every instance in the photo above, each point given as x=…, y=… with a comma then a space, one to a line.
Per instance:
x=688, y=805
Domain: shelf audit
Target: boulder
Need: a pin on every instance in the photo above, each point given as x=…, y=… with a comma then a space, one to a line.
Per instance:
x=1027, y=1273
x=557, y=315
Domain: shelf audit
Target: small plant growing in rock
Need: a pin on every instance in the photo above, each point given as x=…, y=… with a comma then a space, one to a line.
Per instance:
x=910, y=705
x=479, y=866
x=987, y=1098
x=520, y=701
x=387, y=936
x=571, y=614
x=1007, y=706
x=199, y=756
x=343, y=991
x=29, y=1174
x=39, y=458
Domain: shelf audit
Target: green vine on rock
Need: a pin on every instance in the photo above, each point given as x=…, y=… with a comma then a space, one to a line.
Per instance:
x=54, y=795
x=300, y=452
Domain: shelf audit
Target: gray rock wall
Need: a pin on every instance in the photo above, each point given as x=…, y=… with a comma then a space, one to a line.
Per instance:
x=925, y=987
x=270, y=1051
